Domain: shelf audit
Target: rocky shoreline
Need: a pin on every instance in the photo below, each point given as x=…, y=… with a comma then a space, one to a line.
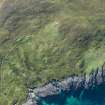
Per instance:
x=69, y=84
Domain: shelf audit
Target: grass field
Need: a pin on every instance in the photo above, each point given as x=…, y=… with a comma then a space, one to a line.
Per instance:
x=41, y=40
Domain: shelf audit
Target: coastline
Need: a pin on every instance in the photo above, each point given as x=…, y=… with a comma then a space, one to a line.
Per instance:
x=73, y=83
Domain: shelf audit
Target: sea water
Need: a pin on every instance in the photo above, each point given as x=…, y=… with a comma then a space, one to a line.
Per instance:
x=93, y=96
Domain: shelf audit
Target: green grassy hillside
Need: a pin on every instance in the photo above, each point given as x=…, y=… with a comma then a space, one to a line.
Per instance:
x=41, y=40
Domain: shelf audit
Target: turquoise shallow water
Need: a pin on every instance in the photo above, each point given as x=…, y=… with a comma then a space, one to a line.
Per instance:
x=93, y=96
